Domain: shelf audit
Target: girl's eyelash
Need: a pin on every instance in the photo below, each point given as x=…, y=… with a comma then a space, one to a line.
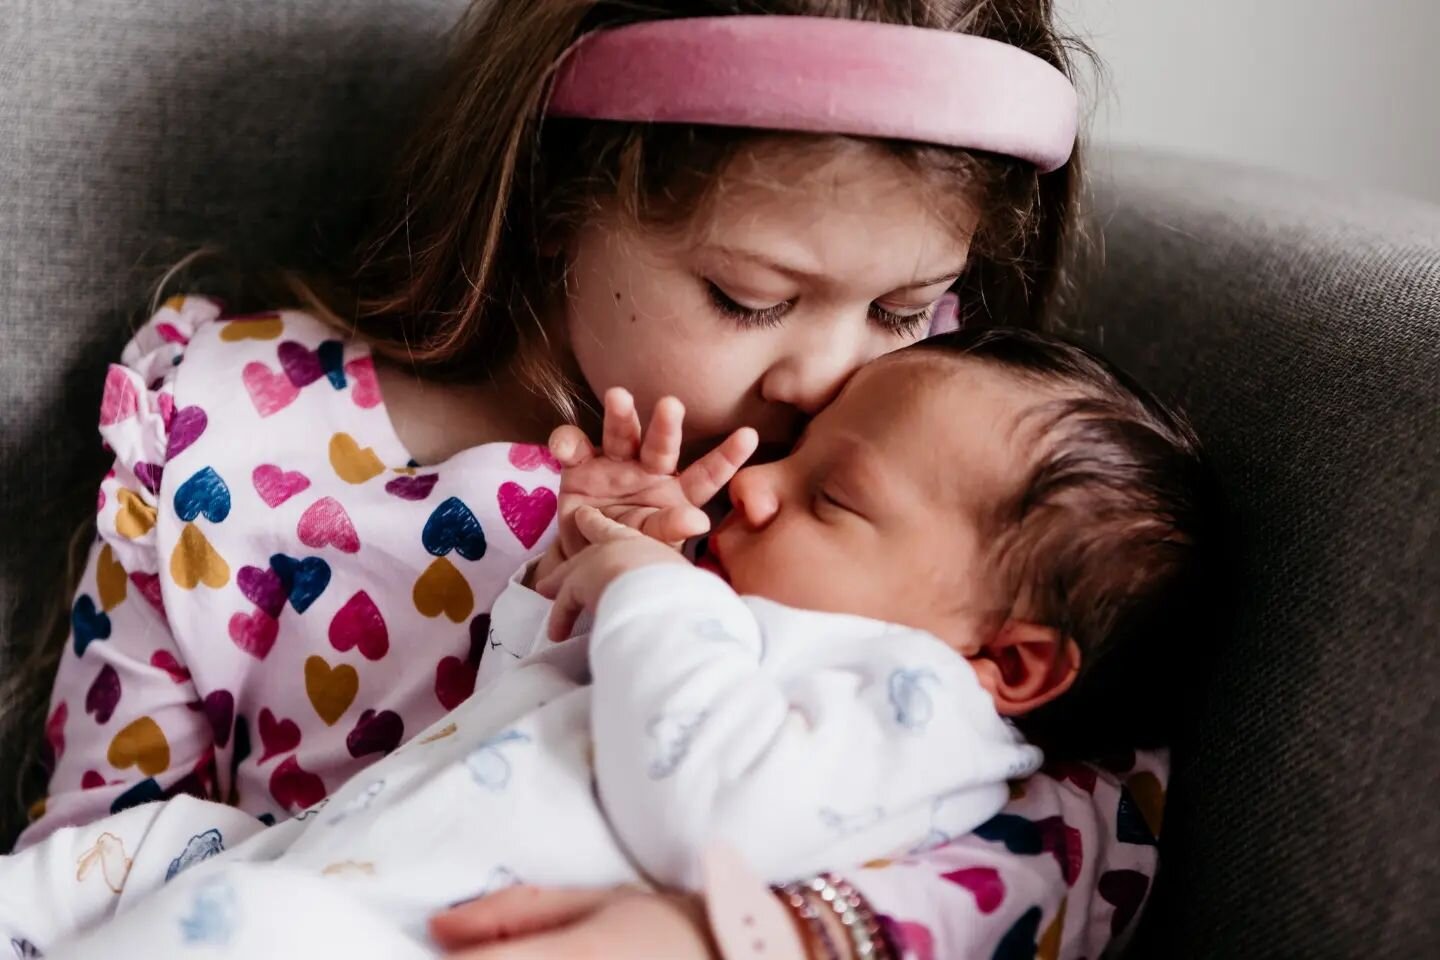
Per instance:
x=902, y=324
x=743, y=315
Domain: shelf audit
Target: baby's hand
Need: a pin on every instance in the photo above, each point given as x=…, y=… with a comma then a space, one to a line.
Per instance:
x=632, y=479
x=612, y=550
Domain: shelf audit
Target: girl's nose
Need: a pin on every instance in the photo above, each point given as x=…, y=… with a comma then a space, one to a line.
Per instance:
x=814, y=368
x=755, y=495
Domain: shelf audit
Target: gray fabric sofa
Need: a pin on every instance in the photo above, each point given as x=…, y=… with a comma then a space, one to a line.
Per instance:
x=1298, y=323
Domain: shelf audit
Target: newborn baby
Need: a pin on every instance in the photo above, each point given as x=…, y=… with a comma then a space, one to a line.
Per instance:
x=957, y=540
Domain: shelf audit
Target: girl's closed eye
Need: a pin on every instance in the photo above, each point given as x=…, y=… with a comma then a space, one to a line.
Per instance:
x=746, y=315
x=904, y=321
x=898, y=320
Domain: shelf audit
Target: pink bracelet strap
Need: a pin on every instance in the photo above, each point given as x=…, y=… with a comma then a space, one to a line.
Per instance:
x=823, y=75
x=746, y=919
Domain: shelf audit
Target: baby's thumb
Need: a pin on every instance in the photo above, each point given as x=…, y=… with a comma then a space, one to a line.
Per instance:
x=595, y=527
x=676, y=524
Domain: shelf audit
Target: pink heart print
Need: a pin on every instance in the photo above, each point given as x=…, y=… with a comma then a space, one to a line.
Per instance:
x=359, y=623
x=166, y=661
x=169, y=334
x=277, y=736
x=55, y=729
x=166, y=403
x=532, y=456
x=254, y=633
x=121, y=399
x=366, y=392
x=104, y=695
x=526, y=514
x=185, y=426
x=326, y=524
x=984, y=882
x=149, y=586
x=294, y=787
x=269, y=391
x=275, y=486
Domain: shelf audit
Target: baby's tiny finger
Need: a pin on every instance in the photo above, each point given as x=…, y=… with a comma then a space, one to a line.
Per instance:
x=708, y=476
x=564, y=614
x=595, y=527
x=622, y=425
x=676, y=524
x=570, y=446
x=660, y=452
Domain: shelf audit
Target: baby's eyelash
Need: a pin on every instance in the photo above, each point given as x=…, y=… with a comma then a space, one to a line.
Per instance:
x=743, y=315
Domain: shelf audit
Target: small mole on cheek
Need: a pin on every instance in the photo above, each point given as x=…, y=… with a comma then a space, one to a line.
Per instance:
x=617, y=296
x=633, y=318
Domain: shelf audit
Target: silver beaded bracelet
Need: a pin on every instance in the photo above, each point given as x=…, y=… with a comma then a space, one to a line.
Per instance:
x=860, y=922
x=808, y=908
x=862, y=927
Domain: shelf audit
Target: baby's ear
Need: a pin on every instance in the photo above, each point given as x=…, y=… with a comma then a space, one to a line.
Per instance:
x=1026, y=665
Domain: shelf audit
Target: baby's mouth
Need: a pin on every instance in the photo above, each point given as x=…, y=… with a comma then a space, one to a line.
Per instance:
x=709, y=559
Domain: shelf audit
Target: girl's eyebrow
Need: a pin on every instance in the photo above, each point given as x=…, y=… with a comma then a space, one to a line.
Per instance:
x=800, y=273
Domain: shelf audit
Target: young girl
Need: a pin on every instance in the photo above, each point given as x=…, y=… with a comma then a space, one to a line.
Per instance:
x=304, y=529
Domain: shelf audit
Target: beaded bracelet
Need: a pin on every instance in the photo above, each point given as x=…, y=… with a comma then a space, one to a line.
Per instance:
x=807, y=907
x=854, y=913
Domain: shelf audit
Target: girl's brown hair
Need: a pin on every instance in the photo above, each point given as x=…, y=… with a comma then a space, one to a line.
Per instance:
x=456, y=281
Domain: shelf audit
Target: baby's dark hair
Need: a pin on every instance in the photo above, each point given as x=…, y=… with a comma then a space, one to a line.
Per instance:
x=1114, y=539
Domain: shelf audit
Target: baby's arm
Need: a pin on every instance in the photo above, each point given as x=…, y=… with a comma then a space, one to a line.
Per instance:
x=803, y=748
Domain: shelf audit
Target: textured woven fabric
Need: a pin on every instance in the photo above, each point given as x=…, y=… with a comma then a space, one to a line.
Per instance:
x=1300, y=325
x=130, y=134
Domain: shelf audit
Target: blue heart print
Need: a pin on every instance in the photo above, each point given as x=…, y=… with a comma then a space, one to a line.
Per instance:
x=143, y=792
x=202, y=846
x=360, y=802
x=1018, y=834
x=1021, y=940
x=204, y=493
x=912, y=703
x=488, y=766
x=88, y=623
x=843, y=823
x=332, y=361
x=303, y=579
x=453, y=527
x=213, y=915
x=673, y=736
x=1130, y=825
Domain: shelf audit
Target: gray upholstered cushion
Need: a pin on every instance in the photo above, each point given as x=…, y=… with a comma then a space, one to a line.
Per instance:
x=1298, y=324
x=131, y=133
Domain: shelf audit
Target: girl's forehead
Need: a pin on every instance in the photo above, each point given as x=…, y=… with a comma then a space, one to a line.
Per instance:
x=836, y=209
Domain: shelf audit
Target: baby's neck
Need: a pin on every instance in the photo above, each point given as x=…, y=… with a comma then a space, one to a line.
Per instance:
x=436, y=420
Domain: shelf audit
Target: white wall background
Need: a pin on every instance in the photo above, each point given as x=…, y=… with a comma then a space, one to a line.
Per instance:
x=1340, y=89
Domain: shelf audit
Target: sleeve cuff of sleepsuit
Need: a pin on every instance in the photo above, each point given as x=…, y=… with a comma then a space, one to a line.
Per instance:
x=660, y=586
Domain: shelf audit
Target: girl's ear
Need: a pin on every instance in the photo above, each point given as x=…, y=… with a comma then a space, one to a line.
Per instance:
x=1025, y=665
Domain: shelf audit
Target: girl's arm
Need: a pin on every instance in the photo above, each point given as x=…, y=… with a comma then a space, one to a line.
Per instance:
x=126, y=725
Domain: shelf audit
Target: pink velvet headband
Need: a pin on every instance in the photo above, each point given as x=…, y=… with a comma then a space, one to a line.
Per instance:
x=823, y=75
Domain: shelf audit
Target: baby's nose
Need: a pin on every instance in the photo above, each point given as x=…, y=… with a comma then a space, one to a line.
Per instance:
x=754, y=495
